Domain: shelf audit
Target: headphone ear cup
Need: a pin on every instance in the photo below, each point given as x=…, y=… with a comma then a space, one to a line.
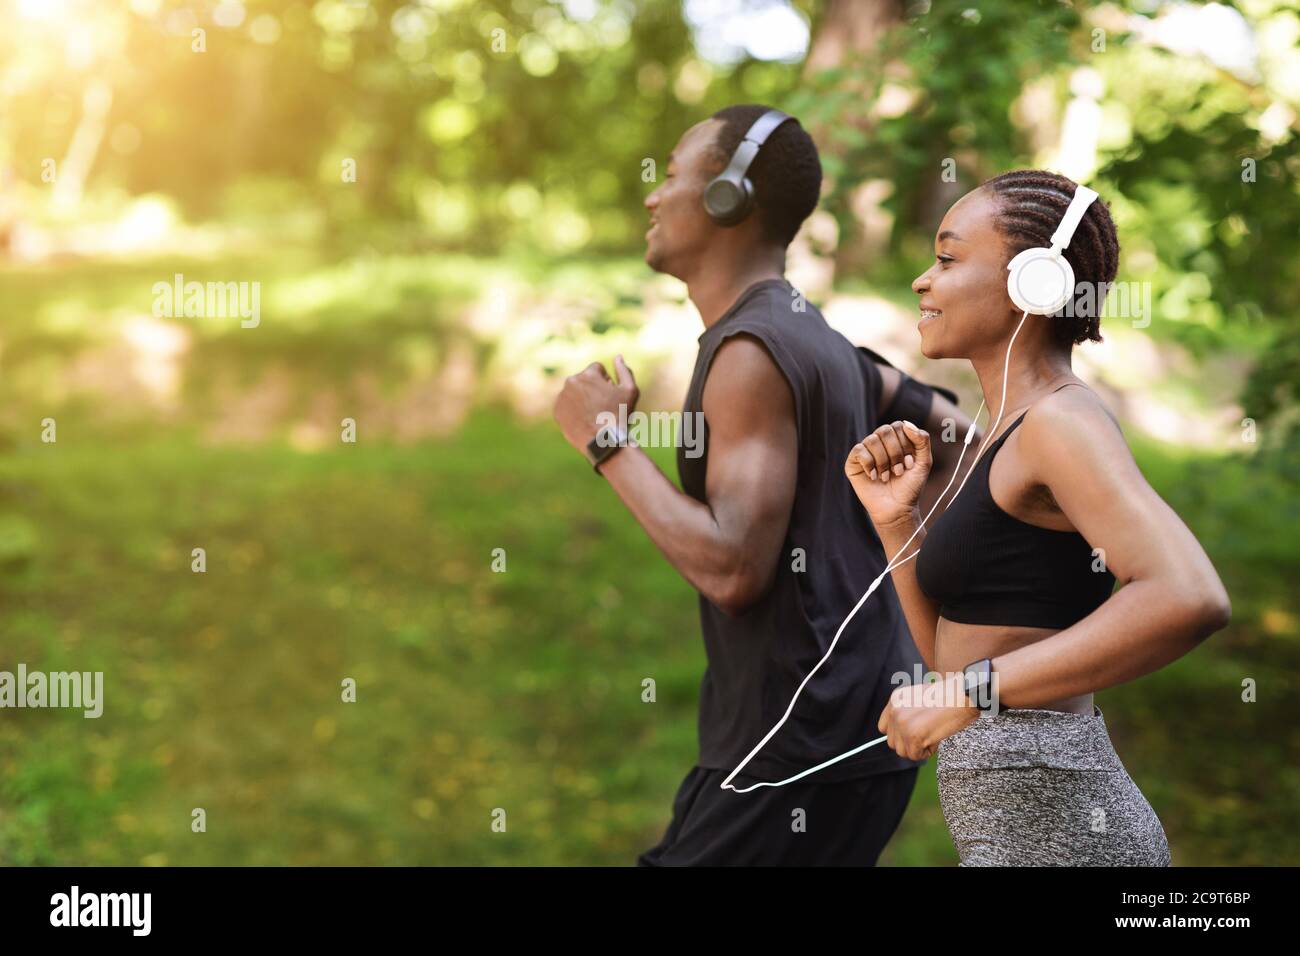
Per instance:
x=1040, y=282
x=728, y=202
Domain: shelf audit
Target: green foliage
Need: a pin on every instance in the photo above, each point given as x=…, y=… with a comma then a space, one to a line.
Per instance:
x=1205, y=198
x=493, y=123
x=964, y=64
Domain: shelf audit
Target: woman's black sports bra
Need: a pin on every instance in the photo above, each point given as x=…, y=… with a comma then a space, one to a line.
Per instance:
x=984, y=566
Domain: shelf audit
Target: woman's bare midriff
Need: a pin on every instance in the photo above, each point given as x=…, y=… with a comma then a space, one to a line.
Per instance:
x=956, y=645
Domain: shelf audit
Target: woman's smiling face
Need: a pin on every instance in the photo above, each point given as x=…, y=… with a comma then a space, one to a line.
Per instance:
x=964, y=302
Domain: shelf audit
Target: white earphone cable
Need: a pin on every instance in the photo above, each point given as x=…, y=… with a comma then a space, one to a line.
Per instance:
x=970, y=432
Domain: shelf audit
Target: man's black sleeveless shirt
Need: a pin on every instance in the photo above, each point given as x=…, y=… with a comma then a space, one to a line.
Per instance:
x=757, y=659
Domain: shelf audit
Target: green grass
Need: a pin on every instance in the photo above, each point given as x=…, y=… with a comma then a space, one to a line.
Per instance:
x=476, y=690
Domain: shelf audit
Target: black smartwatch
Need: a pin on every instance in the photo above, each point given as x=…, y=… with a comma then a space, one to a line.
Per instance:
x=607, y=441
x=979, y=684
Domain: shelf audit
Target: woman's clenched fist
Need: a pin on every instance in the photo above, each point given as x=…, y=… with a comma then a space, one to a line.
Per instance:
x=888, y=470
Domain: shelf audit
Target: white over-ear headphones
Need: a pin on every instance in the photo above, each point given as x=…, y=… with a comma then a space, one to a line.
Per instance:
x=1041, y=281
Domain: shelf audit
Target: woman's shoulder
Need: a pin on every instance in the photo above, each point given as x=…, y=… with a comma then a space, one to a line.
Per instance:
x=1072, y=428
x=1073, y=403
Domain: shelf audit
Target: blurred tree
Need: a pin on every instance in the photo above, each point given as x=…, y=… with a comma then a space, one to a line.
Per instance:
x=847, y=32
x=527, y=125
x=1196, y=147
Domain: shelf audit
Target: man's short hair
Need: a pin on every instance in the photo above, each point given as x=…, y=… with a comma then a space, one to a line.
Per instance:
x=787, y=173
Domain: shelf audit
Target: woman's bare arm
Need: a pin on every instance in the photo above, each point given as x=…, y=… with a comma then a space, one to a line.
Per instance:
x=1170, y=597
x=921, y=613
x=888, y=471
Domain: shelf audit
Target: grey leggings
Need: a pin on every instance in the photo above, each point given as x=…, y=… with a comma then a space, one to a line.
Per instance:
x=1032, y=787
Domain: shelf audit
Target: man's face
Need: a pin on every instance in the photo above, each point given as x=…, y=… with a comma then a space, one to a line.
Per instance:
x=680, y=229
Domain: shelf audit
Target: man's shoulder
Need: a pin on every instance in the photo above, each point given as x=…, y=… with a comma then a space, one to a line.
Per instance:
x=783, y=300
x=775, y=315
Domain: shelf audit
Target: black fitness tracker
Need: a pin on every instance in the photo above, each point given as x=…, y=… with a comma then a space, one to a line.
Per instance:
x=979, y=684
x=607, y=441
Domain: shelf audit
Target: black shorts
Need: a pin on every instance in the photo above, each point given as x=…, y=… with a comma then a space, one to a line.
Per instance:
x=842, y=824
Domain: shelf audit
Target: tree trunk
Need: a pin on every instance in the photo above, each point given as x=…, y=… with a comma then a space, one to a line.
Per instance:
x=850, y=25
x=854, y=26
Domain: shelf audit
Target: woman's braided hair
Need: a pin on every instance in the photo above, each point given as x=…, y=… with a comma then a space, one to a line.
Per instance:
x=1032, y=203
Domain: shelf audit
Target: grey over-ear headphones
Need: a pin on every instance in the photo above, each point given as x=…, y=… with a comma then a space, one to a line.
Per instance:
x=729, y=196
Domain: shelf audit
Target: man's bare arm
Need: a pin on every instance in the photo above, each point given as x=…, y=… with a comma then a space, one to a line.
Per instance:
x=728, y=546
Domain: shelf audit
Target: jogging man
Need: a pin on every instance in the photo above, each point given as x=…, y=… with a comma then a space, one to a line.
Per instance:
x=766, y=527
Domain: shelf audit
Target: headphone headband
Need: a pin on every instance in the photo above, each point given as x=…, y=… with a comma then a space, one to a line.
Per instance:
x=765, y=126
x=1041, y=280
x=1083, y=197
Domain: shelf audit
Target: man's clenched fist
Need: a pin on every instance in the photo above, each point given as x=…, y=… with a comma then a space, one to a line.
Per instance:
x=587, y=394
